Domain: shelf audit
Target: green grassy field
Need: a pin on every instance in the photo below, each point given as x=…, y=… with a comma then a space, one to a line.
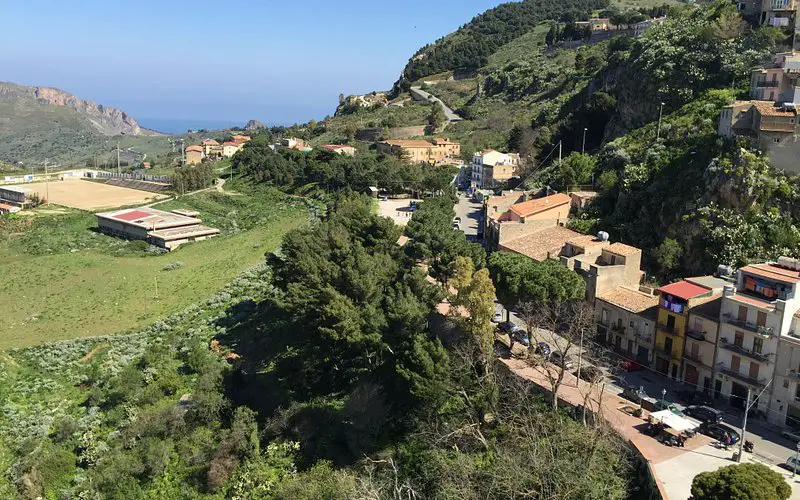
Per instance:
x=65, y=281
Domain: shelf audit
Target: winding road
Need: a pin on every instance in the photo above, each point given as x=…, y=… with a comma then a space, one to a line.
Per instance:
x=418, y=94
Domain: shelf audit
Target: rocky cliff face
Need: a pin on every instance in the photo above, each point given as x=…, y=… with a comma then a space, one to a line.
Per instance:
x=254, y=125
x=109, y=121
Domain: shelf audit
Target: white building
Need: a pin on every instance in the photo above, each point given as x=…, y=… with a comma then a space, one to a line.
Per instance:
x=490, y=167
x=758, y=348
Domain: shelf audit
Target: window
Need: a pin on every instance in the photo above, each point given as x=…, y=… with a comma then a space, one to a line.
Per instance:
x=735, y=362
x=762, y=319
x=776, y=140
x=670, y=321
x=604, y=316
x=738, y=340
x=742, y=316
x=758, y=344
x=754, y=370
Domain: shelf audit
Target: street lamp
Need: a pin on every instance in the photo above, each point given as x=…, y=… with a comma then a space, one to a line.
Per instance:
x=796, y=455
x=663, y=397
x=583, y=147
x=660, y=111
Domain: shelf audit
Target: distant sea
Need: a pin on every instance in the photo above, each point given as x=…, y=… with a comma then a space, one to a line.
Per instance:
x=179, y=126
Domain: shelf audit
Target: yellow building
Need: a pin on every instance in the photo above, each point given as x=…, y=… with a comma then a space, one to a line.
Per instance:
x=230, y=148
x=194, y=155
x=675, y=302
x=210, y=146
x=437, y=151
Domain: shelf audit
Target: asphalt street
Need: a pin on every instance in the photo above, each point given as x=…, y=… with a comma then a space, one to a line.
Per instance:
x=470, y=213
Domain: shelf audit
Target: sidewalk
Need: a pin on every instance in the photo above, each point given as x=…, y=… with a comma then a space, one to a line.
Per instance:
x=673, y=468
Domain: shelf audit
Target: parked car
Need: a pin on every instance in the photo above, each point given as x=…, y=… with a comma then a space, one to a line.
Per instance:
x=457, y=219
x=696, y=398
x=705, y=414
x=559, y=359
x=457, y=225
x=590, y=373
x=543, y=348
x=717, y=431
x=635, y=394
x=507, y=326
x=791, y=463
x=383, y=198
x=631, y=366
x=791, y=435
x=521, y=336
x=498, y=317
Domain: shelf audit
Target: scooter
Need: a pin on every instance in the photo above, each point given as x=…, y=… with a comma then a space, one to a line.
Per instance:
x=748, y=446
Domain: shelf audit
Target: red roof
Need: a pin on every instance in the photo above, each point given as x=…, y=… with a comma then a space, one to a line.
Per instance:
x=684, y=290
x=531, y=207
x=773, y=272
x=194, y=148
x=133, y=215
x=210, y=142
x=230, y=143
x=334, y=146
x=5, y=207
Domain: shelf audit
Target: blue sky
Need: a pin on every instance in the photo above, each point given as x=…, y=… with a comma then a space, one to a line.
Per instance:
x=275, y=61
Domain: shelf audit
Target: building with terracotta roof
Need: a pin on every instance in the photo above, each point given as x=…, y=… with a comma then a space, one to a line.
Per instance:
x=676, y=301
x=700, y=345
x=230, y=148
x=240, y=139
x=163, y=229
x=340, y=149
x=211, y=147
x=603, y=265
x=435, y=152
x=491, y=168
x=546, y=243
x=194, y=154
x=518, y=214
x=759, y=343
x=626, y=318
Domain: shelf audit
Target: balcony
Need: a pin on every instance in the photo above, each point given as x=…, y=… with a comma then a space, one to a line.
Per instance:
x=762, y=331
x=768, y=84
x=698, y=359
x=643, y=339
x=618, y=329
x=761, y=357
x=760, y=382
x=669, y=330
x=668, y=353
x=696, y=335
x=794, y=375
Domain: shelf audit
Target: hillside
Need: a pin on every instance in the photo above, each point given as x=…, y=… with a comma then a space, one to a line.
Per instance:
x=38, y=123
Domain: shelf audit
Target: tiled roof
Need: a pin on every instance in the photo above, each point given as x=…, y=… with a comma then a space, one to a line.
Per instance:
x=586, y=240
x=768, y=108
x=335, y=146
x=531, y=207
x=630, y=299
x=210, y=142
x=753, y=301
x=230, y=143
x=684, y=290
x=442, y=140
x=542, y=244
x=773, y=272
x=194, y=148
x=622, y=249
x=3, y=206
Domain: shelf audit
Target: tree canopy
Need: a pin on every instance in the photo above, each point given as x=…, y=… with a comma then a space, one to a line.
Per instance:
x=521, y=279
x=741, y=482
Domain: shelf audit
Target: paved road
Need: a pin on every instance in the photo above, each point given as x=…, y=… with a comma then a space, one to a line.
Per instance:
x=448, y=113
x=471, y=214
x=769, y=445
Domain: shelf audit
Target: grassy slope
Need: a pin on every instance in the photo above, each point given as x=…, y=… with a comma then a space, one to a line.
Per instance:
x=94, y=291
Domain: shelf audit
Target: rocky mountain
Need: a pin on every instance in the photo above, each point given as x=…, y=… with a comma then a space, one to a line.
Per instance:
x=108, y=121
x=254, y=125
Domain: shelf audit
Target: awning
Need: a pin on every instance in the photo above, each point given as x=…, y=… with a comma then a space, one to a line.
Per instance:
x=673, y=421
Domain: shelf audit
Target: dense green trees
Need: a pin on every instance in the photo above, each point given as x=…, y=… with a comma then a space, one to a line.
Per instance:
x=520, y=279
x=741, y=482
x=193, y=177
x=470, y=46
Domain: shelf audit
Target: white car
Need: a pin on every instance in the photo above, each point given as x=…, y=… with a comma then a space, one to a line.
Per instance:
x=498, y=317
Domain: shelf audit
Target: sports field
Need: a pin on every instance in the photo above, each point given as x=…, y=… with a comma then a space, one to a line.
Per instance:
x=66, y=281
x=87, y=195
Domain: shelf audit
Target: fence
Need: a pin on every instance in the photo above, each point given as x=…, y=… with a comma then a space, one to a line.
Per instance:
x=132, y=176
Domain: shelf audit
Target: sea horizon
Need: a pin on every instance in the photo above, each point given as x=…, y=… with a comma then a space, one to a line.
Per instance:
x=181, y=126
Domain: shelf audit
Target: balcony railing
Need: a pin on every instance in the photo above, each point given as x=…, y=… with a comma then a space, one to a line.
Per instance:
x=618, y=329
x=767, y=84
x=746, y=325
x=697, y=359
x=665, y=352
x=669, y=330
x=762, y=357
x=794, y=375
x=695, y=334
x=643, y=339
x=757, y=382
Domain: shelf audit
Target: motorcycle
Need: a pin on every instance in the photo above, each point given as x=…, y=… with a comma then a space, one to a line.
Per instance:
x=748, y=446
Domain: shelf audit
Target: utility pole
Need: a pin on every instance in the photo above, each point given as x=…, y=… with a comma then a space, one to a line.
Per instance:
x=580, y=356
x=559, y=152
x=746, y=411
x=583, y=146
x=46, y=182
x=118, y=169
x=660, y=111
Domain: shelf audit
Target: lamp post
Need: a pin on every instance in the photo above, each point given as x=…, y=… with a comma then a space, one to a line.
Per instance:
x=660, y=112
x=796, y=455
x=583, y=147
x=663, y=398
x=580, y=357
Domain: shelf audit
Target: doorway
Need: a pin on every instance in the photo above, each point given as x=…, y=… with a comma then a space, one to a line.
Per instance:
x=738, y=395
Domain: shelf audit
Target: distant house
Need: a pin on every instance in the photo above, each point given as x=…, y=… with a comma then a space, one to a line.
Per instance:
x=194, y=155
x=240, y=139
x=209, y=146
x=490, y=168
x=230, y=148
x=339, y=149
x=146, y=164
x=295, y=144
x=14, y=196
x=437, y=151
x=164, y=229
x=601, y=24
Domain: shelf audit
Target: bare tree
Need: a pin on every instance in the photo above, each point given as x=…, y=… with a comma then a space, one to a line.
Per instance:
x=562, y=326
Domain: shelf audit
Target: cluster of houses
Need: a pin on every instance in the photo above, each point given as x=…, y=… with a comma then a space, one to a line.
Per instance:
x=439, y=151
x=769, y=121
x=735, y=332
x=601, y=25
x=212, y=149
